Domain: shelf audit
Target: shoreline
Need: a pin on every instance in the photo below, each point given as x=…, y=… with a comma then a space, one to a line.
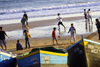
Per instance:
x=32, y=24
x=63, y=42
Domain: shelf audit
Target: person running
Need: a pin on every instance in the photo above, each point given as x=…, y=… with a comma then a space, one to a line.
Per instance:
x=23, y=21
x=60, y=22
x=72, y=31
x=98, y=27
x=26, y=17
x=89, y=16
x=2, y=38
x=18, y=45
x=27, y=36
x=54, y=35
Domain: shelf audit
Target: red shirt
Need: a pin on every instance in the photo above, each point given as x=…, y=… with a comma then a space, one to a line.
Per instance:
x=54, y=34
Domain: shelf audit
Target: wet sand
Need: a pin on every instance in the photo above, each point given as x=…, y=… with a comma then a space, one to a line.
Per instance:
x=63, y=42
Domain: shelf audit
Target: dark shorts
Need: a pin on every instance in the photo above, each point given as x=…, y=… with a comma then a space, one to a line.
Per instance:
x=2, y=42
x=60, y=23
x=85, y=16
x=54, y=38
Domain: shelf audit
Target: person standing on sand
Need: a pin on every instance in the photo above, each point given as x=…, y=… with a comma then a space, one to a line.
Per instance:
x=98, y=27
x=72, y=31
x=26, y=17
x=2, y=38
x=85, y=16
x=89, y=16
x=54, y=35
x=60, y=22
x=27, y=36
x=23, y=21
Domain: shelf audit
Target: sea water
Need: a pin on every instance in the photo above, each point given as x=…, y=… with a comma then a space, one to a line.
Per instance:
x=14, y=9
x=11, y=11
x=46, y=31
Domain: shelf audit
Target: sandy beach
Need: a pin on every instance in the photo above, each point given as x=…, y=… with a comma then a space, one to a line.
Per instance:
x=64, y=41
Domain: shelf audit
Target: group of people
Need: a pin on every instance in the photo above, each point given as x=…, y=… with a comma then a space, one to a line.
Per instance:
x=19, y=46
x=25, y=28
x=72, y=30
x=24, y=22
x=88, y=19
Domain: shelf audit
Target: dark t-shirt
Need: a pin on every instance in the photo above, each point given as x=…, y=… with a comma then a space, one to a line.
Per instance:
x=98, y=25
x=2, y=35
x=26, y=16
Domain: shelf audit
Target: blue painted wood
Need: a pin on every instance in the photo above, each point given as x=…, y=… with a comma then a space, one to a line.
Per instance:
x=92, y=41
x=53, y=59
x=6, y=61
x=39, y=58
x=29, y=61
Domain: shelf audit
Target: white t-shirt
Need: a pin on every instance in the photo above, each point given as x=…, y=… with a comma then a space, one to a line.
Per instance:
x=59, y=19
x=89, y=13
x=72, y=30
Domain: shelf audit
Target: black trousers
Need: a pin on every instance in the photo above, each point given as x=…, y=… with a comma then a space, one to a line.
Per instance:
x=99, y=33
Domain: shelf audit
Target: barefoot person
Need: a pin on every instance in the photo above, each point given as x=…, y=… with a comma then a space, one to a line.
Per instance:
x=72, y=31
x=26, y=17
x=27, y=36
x=23, y=21
x=2, y=38
x=54, y=35
x=60, y=22
x=90, y=23
x=89, y=16
x=86, y=17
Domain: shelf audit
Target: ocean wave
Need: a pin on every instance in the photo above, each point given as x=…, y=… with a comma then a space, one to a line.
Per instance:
x=49, y=8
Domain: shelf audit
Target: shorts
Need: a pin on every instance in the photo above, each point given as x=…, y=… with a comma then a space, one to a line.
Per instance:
x=85, y=16
x=54, y=38
x=60, y=23
x=2, y=42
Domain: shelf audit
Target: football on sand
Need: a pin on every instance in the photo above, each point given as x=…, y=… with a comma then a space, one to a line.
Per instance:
x=58, y=36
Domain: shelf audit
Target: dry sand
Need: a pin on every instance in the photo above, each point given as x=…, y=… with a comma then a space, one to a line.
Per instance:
x=64, y=42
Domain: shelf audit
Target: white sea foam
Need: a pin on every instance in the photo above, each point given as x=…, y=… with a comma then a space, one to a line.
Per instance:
x=13, y=21
x=46, y=31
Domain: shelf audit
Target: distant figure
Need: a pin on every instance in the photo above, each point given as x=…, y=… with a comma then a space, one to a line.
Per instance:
x=18, y=45
x=23, y=21
x=54, y=35
x=2, y=38
x=89, y=16
x=86, y=17
x=85, y=14
x=26, y=17
x=72, y=31
x=60, y=22
x=98, y=27
x=27, y=36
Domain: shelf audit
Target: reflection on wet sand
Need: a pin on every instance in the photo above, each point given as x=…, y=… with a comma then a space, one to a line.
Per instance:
x=89, y=26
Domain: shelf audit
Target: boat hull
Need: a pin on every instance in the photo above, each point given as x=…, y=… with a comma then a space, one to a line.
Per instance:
x=43, y=59
x=7, y=61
